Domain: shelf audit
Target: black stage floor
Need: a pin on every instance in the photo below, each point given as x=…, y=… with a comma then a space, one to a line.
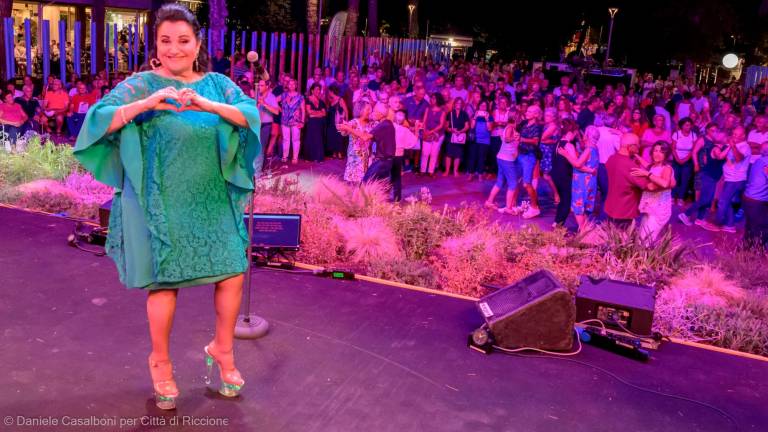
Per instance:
x=341, y=356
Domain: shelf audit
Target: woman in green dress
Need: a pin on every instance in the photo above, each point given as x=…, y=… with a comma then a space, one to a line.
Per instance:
x=178, y=145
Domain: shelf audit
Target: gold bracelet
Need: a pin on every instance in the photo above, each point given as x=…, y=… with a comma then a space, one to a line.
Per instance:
x=122, y=115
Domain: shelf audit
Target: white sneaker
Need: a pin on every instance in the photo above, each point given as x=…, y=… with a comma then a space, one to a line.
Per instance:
x=684, y=219
x=531, y=213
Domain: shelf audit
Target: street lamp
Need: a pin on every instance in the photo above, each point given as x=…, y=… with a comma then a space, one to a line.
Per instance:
x=411, y=8
x=611, y=11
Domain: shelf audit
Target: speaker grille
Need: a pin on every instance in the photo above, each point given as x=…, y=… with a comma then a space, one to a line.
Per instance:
x=536, y=312
x=513, y=297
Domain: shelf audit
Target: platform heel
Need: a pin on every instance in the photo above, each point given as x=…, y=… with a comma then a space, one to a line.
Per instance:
x=231, y=382
x=165, y=390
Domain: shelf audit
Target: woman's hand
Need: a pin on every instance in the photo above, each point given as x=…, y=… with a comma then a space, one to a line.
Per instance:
x=159, y=99
x=191, y=101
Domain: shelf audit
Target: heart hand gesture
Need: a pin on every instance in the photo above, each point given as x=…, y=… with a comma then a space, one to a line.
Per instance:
x=191, y=101
x=171, y=99
x=163, y=99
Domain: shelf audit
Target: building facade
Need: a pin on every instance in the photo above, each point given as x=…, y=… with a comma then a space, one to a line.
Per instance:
x=120, y=13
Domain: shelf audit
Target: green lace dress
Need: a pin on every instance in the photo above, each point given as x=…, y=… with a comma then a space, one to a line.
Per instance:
x=181, y=182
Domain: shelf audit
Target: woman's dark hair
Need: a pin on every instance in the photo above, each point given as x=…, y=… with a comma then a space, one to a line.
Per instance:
x=175, y=12
x=333, y=88
x=683, y=121
x=666, y=149
x=313, y=87
x=439, y=99
x=568, y=125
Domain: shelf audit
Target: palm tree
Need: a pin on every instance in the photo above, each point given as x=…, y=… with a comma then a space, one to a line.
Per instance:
x=218, y=21
x=373, y=18
x=353, y=12
x=312, y=16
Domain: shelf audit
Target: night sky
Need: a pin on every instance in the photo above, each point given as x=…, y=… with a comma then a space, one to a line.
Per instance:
x=646, y=32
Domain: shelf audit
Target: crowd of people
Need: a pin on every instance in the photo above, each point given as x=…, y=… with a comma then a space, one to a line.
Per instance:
x=51, y=108
x=620, y=152
x=617, y=152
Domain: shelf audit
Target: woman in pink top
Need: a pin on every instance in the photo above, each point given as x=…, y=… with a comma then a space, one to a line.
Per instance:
x=653, y=135
x=12, y=117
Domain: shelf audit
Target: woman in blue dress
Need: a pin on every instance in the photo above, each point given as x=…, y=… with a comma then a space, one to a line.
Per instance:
x=178, y=146
x=583, y=156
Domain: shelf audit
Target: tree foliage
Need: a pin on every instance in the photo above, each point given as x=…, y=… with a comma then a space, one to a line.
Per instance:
x=269, y=15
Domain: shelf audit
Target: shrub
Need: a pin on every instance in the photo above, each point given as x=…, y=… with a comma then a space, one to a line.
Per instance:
x=281, y=186
x=321, y=242
x=742, y=326
x=705, y=305
x=627, y=256
x=748, y=265
x=9, y=195
x=530, y=238
x=279, y=195
x=706, y=285
x=467, y=261
x=530, y=249
x=350, y=200
x=368, y=239
x=421, y=229
x=416, y=273
x=85, y=209
x=37, y=162
x=49, y=200
x=87, y=188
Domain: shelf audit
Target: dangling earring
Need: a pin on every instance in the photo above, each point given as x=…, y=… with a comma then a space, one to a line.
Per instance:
x=155, y=63
x=197, y=65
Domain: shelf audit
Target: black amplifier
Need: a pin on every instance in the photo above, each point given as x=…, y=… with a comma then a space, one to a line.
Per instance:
x=617, y=304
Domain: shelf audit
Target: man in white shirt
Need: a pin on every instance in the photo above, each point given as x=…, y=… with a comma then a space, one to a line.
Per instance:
x=565, y=88
x=317, y=77
x=700, y=103
x=737, y=156
x=268, y=109
x=458, y=90
x=758, y=136
x=364, y=92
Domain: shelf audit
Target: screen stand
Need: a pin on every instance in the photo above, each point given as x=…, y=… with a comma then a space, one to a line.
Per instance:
x=273, y=257
x=250, y=325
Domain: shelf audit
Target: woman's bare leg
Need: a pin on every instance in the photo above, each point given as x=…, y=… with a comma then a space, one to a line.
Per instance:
x=161, y=306
x=227, y=298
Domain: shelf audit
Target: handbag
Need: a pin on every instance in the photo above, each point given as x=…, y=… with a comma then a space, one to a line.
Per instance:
x=457, y=137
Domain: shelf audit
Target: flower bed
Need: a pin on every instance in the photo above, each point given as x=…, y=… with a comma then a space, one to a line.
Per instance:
x=41, y=175
x=718, y=299
x=461, y=250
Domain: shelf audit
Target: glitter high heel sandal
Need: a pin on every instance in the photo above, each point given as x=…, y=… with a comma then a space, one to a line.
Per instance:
x=231, y=381
x=165, y=389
